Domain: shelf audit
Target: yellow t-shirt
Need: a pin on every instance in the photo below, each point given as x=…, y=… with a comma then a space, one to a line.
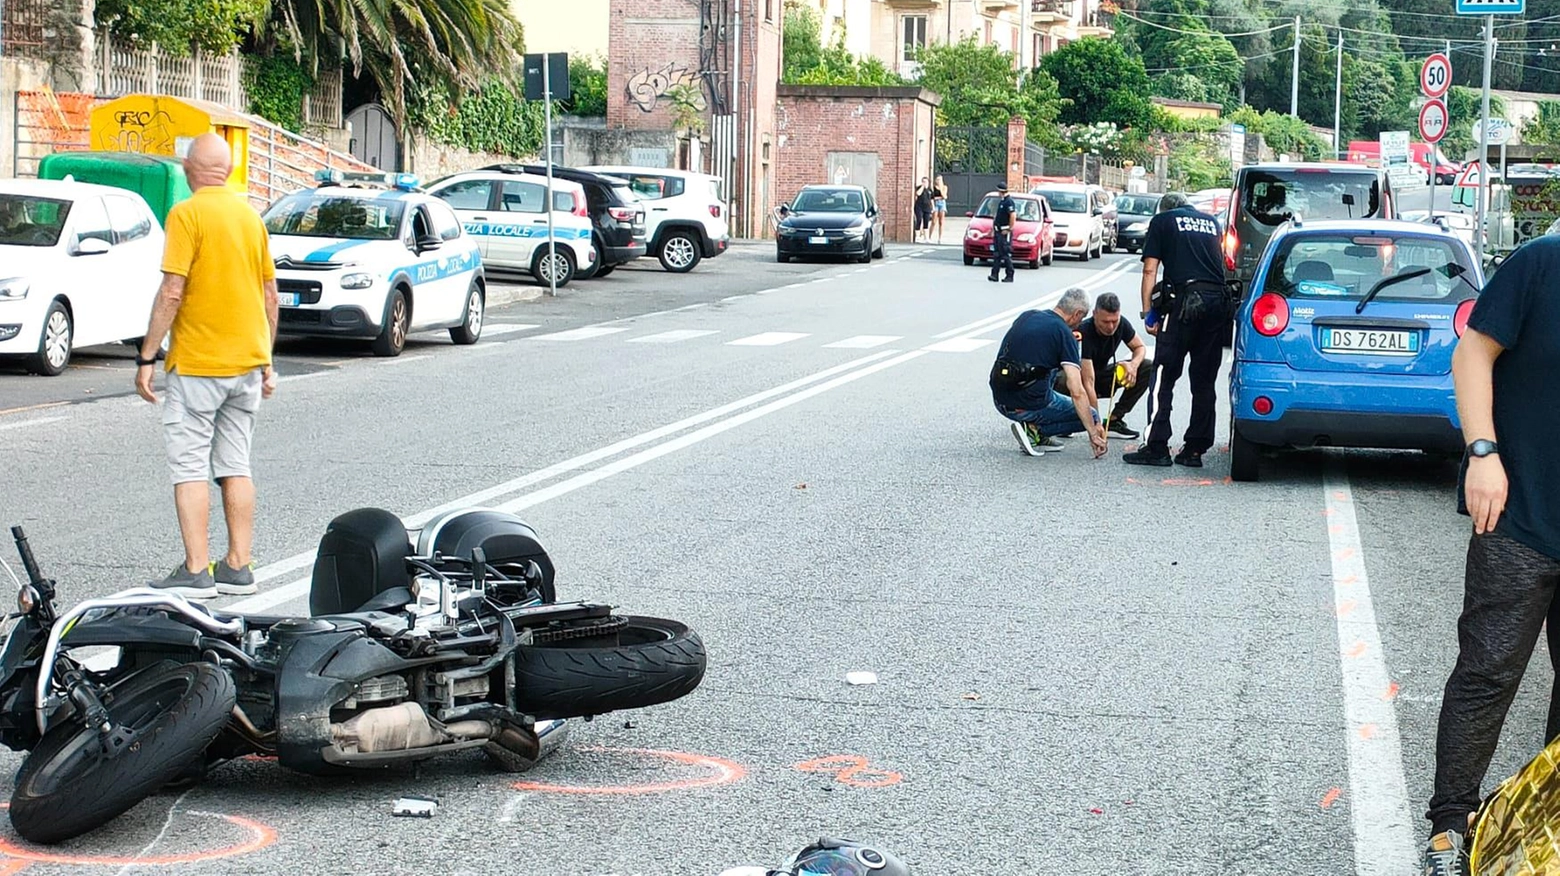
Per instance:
x=219, y=244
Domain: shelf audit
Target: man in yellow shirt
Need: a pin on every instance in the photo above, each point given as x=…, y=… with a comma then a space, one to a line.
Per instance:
x=218, y=300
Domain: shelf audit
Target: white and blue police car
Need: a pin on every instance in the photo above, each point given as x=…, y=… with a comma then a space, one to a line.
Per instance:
x=373, y=256
x=506, y=213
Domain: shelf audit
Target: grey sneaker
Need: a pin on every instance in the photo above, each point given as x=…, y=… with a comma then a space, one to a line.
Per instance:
x=1050, y=444
x=234, y=582
x=1445, y=855
x=196, y=585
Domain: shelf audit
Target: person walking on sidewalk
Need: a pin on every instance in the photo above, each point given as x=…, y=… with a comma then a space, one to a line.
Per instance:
x=939, y=206
x=1002, y=236
x=1195, y=309
x=218, y=306
x=1508, y=481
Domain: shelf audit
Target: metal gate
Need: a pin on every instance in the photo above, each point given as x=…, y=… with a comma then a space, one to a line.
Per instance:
x=374, y=138
x=971, y=162
x=46, y=122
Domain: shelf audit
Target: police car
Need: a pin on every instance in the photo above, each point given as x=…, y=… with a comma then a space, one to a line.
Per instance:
x=365, y=255
x=505, y=212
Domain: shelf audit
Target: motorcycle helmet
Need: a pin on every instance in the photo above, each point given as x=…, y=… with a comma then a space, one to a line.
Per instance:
x=832, y=857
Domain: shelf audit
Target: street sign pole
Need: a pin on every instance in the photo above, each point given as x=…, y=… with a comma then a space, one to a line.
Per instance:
x=1435, y=80
x=552, y=246
x=1481, y=231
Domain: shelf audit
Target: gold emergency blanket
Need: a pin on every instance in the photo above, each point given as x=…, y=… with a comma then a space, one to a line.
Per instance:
x=1518, y=827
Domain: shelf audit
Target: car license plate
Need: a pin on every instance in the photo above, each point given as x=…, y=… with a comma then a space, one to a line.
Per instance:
x=817, y=240
x=287, y=299
x=1393, y=343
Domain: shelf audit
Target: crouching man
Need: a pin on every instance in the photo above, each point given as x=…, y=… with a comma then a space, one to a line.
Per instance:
x=1037, y=348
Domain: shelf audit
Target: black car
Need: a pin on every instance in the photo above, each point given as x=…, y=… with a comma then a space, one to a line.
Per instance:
x=1268, y=195
x=831, y=220
x=1133, y=212
x=616, y=214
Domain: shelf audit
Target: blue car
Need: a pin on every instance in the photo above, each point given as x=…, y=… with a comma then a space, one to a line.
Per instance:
x=1345, y=339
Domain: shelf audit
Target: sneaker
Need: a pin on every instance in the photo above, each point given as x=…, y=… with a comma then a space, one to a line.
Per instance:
x=196, y=585
x=1050, y=444
x=1024, y=443
x=1147, y=456
x=1445, y=855
x=1189, y=458
x=1118, y=429
x=992, y=278
x=1008, y=278
x=234, y=582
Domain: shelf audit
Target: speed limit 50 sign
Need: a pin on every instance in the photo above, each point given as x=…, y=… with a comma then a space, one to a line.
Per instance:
x=1432, y=120
x=1435, y=77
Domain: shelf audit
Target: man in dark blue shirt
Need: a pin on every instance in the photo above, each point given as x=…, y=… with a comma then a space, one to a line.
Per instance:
x=1002, y=235
x=1509, y=481
x=1039, y=345
x=1190, y=320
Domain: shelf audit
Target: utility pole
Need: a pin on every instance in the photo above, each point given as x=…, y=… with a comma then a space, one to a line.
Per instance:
x=1338, y=97
x=1482, y=231
x=552, y=246
x=1026, y=39
x=1294, y=79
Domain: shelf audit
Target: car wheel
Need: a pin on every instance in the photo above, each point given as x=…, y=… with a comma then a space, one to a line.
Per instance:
x=1108, y=247
x=866, y=251
x=392, y=338
x=470, y=328
x=679, y=252
x=559, y=266
x=969, y=259
x=605, y=270
x=878, y=253
x=54, y=342
x=1034, y=264
x=1243, y=456
x=1050, y=256
x=781, y=257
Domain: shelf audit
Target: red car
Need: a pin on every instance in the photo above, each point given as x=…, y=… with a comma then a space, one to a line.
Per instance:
x=1033, y=232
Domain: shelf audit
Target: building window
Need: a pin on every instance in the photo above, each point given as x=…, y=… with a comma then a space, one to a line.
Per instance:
x=769, y=10
x=914, y=36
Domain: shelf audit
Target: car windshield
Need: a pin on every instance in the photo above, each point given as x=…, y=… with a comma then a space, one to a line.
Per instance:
x=1344, y=266
x=829, y=202
x=31, y=221
x=311, y=215
x=1276, y=196
x=1137, y=205
x=1027, y=209
x=1065, y=202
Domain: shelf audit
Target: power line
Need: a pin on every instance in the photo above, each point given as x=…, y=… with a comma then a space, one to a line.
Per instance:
x=1128, y=15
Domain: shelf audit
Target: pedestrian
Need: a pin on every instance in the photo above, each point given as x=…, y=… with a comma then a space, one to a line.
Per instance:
x=1002, y=236
x=1508, y=479
x=1038, y=348
x=218, y=307
x=923, y=209
x=1189, y=316
x=1099, y=336
x=939, y=206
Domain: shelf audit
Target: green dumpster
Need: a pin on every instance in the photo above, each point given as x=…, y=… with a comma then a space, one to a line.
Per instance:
x=157, y=178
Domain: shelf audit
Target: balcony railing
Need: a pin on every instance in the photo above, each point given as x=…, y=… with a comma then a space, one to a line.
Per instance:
x=1052, y=7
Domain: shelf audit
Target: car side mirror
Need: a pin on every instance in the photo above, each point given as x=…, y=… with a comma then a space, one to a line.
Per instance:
x=429, y=242
x=969, y=214
x=92, y=246
x=785, y=210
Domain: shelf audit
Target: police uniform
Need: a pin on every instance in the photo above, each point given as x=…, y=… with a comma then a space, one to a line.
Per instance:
x=1002, y=235
x=1193, y=308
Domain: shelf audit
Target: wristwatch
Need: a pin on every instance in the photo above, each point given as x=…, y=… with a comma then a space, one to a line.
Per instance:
x=1482, y=448
x=139, y=362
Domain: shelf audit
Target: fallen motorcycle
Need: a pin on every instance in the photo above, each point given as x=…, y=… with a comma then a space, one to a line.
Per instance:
x=413, y=648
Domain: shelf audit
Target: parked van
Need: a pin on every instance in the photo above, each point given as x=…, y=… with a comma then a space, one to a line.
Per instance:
x=1266, y=196
x=1421, y=154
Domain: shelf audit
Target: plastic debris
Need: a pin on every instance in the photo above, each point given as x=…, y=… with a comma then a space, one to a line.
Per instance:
x=861, y=677
x=414, y=807
x=801, y=486
x=972, y=696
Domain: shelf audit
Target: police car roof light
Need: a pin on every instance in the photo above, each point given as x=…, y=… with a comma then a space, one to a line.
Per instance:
x=328, y=177
x=405, y=182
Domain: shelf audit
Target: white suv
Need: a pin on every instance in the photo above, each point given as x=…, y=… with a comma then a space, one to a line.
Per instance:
x=684, y=213
x=504, y=212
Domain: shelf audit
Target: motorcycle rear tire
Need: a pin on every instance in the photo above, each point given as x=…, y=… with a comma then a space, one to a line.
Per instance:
x=649, y=662
x=180, y=707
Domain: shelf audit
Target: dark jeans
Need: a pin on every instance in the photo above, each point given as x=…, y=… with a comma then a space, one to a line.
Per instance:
x=1002, y=253
x=1104, y=379
x=1508, y=592
x=1202, y=339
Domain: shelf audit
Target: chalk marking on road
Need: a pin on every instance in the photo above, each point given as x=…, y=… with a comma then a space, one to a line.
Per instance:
x=515, y=799
x=167, y=823
x=767, y=339
x=673, y=336
x=22, y=424
x=37, y=407
x=980, y=326
x=863, y=342
x=1378, y=789
x=578, y=334
x=958, y=345
x=720, y=771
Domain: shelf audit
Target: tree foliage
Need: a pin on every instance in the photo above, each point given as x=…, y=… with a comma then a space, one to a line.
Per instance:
x=216, y=26
x=980, y=87
x=587, y=86
x=1100, y=82
x=808, y=62
x=490, y=118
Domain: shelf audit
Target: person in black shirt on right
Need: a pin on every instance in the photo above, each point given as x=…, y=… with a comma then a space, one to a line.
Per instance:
x=1192, y=319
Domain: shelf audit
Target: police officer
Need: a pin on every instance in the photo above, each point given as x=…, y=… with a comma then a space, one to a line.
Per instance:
x=1188, y=312
x=1002, y=235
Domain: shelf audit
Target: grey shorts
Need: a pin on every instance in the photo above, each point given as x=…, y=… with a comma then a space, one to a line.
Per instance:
x=209, y=424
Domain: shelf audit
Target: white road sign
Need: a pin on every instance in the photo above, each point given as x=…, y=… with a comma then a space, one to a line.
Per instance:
x=1500, y=131
x=1432, y=120
x=1435, y=77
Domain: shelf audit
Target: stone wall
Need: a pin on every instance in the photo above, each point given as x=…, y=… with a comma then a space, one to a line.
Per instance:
x=589, y=141
x=16, y=74
x=431, y=160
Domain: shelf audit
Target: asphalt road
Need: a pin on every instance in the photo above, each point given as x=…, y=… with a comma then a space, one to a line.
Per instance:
x=1082, y=667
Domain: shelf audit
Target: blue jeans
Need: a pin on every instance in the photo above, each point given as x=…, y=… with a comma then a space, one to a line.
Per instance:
x=1059, y=417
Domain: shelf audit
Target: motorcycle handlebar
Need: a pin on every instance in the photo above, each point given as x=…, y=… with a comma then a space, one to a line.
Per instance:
x=29, y=563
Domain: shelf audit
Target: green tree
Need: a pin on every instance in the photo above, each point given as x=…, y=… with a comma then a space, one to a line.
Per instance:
x=587, y=86
x=979, y=87
x=1100, y=82
x=1463, y=108
x=801, y=40
x=216, y=26
x=1543, y=129
x=1180, y=86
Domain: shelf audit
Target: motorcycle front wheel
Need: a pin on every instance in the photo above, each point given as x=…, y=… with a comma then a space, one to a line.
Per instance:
x=69, y=785
x=645, y=662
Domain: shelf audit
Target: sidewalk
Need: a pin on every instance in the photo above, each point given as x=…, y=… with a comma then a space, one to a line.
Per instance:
x=953, y=231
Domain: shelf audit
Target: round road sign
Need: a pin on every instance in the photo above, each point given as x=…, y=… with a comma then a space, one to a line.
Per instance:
x=1432, y=120
x=1500, y=131
x=1435, y=77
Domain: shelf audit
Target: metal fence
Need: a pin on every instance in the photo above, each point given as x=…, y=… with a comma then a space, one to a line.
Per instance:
x=46, y=122
x=22, y=27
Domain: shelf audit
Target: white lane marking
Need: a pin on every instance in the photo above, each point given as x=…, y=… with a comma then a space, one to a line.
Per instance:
x=1383, y=821
x=399, y=360
x=690, y=306
x=734, y=298
x=38, y=421
x=294, y=378
x=505, y=328
x=958, y=345
x=1102, y=278
x=767, y=339
x=296, y=562
x=673, y=336
x=579, y=334
x=863, y=342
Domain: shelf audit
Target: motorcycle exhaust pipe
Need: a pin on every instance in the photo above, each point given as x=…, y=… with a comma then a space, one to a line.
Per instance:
x=519, y=749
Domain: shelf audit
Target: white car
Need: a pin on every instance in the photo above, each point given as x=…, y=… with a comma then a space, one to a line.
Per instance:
x=79, y=266
x=374, y=256
x=504, y=213
x=1078, y=218
x=685, y=218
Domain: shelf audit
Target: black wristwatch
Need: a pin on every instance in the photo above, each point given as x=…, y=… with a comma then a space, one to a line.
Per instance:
x=140, y=362
x=1482, y=448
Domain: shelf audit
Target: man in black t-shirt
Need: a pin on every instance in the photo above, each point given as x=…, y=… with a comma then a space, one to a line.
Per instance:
x=1098, y=337
x=1190, y=319
x=1508, y=483
x=1002, y=235
x=1038, y=348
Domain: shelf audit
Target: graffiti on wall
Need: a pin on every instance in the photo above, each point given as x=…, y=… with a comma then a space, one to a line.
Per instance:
x=648, y=86
x=139, y=131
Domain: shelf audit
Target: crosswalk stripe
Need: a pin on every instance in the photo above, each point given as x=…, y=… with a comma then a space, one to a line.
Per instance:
x=767, y=339
x=505, y=328
x=958, y=345
x=580, y=334
x=863, y=342
x=672, y=336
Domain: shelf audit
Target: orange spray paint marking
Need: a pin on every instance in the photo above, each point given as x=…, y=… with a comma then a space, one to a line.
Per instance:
x=1331, y=797
x=846, y=769
x=1186, y=482
x=1328, y=512
x=260, y=836
x=1346, y=607
x=720, y=772
x=1356, y=650
x=1341, y=496
x=1343, y=554
x=1133, y=481
x=9, y=866
x=1352, y=579
x=1367, y=731
x=1335, y=528
x=1391, y=692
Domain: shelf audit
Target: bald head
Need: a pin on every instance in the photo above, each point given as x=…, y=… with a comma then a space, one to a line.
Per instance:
x=209, y=161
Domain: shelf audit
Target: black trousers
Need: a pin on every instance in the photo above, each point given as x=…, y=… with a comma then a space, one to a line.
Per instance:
x=1508, y=592
x=1104, y=380
x=1202, y=339
x=1002, y=252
